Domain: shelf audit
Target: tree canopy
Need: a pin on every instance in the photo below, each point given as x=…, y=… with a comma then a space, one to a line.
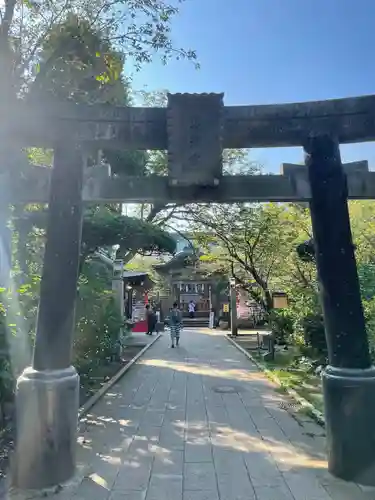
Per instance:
x=104, y=228
x=245, y=241
x=135, y=29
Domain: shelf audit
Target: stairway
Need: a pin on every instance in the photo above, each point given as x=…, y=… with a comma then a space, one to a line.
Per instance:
x=200, y=322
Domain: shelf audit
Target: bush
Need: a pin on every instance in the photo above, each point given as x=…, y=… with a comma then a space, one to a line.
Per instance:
x=98, y=324
x=369, y=310
x=281, y=323
x=17, y=334
x=98, y=321
x=314, y=333
x=7, y=381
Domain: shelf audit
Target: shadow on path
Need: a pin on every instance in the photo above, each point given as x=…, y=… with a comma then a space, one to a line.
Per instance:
x=201, y=423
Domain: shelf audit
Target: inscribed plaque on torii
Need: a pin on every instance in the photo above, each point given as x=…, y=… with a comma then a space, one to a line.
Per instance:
x=195, y=133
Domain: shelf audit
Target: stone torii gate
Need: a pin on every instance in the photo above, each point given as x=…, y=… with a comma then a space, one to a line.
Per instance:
x=194, y=129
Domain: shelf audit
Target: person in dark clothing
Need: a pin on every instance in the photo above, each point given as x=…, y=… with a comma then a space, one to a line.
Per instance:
x=175, y=325
x=151, y=320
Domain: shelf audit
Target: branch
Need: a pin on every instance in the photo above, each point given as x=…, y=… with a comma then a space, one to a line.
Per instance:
x=185, y=238
x=151, y=216
x=255, y=296
x=154, y=212
x=169, y=215
x=305, y=281
x=232, y=249
x=256, y=275
x=368, y=240
x=137, y=39
x=256, y=241
x=270, y=268
x=104, y=7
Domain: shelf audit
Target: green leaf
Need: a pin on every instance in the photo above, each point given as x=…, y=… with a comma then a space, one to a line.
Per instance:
x=103, y=78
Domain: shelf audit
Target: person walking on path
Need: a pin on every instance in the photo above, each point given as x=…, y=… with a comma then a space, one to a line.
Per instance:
x=151, y=320
x=191, y=308
x=175, y=325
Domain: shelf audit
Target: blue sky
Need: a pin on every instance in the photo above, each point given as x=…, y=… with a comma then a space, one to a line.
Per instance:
x=271, y=51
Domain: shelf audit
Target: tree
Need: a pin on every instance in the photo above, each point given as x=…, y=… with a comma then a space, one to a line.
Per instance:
x=147, y=264
x=32, y=49
x=362, y=218
x=77, y=63
x=103, y=228
x=135, y=28
x=248, y=242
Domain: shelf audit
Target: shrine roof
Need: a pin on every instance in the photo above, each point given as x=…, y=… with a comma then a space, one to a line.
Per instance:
x=133, y=274
x=138, y=279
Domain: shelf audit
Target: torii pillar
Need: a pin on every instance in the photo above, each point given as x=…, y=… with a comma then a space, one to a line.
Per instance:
x=349, y=378
x=47, y=396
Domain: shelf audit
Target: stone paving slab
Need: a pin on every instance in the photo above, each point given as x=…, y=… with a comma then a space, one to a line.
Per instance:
x=201, y=423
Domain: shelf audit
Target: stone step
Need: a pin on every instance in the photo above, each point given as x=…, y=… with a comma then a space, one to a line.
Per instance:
x=196, y=322
x=198, y=314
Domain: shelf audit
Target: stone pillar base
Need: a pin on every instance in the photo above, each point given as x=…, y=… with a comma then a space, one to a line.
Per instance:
x=349, y=399
x=47, y=412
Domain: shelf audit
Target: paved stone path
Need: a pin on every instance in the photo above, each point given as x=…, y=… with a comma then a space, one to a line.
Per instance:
x=201, y=423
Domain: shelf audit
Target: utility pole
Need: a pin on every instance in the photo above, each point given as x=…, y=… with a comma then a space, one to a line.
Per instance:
x=233, y=308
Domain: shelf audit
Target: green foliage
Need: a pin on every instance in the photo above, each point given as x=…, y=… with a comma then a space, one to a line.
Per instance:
x=366, y=275
x=104, y=228
x=77, y=63
x=7, y=381
x=97, y=325
x=80, y=56
x=18, y=308
x=258, y=244
x=281, y=322
x=6, y=376
x=136, y=29
x=147, y=265
x=132, y=163
x=314, y=333
x=369, y=311
x=37, y=156
x=97, y=320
